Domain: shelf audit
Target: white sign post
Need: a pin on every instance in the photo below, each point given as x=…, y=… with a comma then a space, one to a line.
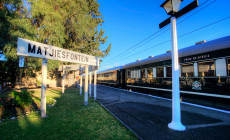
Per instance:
x=63, y=80
x=95, y=84
x=86, y=86
x=90, y=81
x=81, y=82
x=35, y=49
x=43, y=90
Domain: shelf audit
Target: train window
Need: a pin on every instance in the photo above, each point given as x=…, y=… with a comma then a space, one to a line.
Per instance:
x=129, y=74
x=143, y=73
x=206, y=68
x=133, y=74
x=169, y=71
x=160, y=72
x=228, y=61
x=187, y=70
x=150, y=73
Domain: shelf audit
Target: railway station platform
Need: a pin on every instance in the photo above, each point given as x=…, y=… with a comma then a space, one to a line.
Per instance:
x=148, y=116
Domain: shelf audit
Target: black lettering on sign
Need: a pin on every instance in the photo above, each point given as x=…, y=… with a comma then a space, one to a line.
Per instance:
x=39, y=50
x=86, y=59
x=82, y=59
x=63, y=54
x=78, y=57
x=45, y=50
x=58, y=53
x=67, y=56
x=72, y=56
x=55, y=53
x=31, y=50
x=75, y=56
x=52, y=52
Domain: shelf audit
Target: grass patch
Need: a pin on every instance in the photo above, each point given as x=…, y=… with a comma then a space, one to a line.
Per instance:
x=67, y=119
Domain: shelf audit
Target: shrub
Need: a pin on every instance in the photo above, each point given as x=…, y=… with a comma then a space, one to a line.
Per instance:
x=38, y=83
x=23, y=98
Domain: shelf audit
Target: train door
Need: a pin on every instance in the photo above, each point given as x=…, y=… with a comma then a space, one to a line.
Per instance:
x=123, y=82
x=119, y=78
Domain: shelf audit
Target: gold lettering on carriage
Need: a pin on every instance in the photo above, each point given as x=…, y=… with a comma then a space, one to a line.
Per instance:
x=196, y=57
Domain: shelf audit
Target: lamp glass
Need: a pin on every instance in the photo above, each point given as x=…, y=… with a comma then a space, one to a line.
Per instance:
x=168, y=6
x=176, y=5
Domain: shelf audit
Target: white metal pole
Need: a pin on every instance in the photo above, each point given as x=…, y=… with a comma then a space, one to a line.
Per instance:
x=63, y=80
x=95, y=84
x=81, y=80
x=176, y=111
x=90, y=81
x=43, y=88
x=86, y=86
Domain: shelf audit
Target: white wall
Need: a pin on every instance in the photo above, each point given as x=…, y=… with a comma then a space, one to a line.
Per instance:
x=195, y=69
x=164, y=71
x=146, y=74
x=154, y=73
x=221, y=69
x=179, y=70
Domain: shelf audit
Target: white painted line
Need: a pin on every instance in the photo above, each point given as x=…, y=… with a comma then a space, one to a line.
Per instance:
x=186, y=92
x=201, y=106
x=108, y=83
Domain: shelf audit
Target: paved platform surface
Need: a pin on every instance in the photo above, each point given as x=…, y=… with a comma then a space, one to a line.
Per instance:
x=148, y=117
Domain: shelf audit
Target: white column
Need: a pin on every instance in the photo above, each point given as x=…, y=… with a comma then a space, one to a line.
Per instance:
x=90, y=81
x=135, y=73
x=180, y=70
x=176, y=111
x=43, y=88
x=63, y=79
x=221, y=67
x=165, y=72
x=95, y=84
x=81, y=77
x=195, y=69
x=154, y=73
x=146, y=73
x=86, y=86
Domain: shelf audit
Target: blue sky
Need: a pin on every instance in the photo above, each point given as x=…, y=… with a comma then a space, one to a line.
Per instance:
x=128, y=22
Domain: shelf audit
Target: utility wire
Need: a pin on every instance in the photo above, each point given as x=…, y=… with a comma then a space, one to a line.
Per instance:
x=179, y=36
x=139, y=44
x=198, y=10
x=134, y=46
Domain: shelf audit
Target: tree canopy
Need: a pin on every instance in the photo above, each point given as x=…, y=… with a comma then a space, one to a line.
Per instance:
x=69, y=24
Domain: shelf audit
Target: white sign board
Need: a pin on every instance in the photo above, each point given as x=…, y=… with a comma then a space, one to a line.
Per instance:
x=34, y=49
x=68, y=67
x=76, y=67
x=21, y=61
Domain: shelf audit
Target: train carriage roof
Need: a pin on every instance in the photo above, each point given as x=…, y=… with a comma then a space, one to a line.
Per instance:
x=214, y=45
x=110, y=70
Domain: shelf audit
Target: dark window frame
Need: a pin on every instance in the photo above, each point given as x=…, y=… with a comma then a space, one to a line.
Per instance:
x=150, y=72
x=228, y=66
x=168, y=74
x=190, y=74
x=207, y=74
x=160, y=75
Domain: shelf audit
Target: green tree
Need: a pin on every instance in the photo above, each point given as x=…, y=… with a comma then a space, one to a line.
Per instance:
x=69, y=24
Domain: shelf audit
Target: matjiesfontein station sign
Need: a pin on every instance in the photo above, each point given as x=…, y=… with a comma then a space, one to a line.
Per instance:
x=34, y=49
